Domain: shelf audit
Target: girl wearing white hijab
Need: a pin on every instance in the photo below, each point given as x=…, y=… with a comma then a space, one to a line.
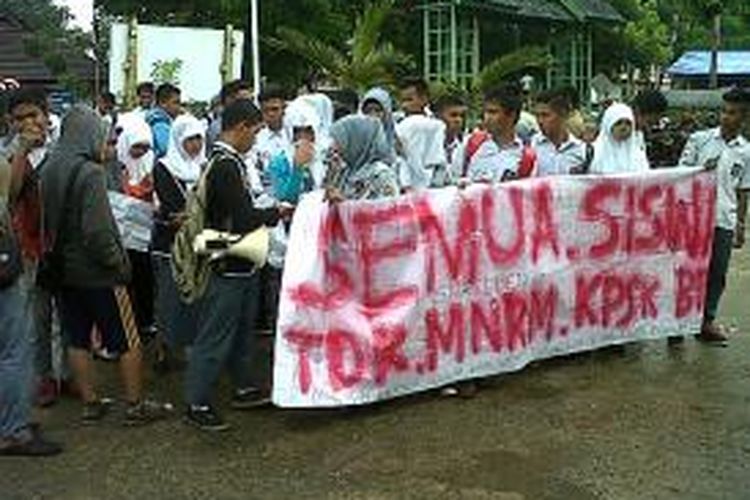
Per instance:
x=133, y=211
x=324, y=109
x=301, y=167
x=186, y=154
x=135, y=155
x=616, y=150
x=174, y=176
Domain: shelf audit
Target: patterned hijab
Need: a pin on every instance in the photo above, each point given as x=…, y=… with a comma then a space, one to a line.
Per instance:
x=365, y=170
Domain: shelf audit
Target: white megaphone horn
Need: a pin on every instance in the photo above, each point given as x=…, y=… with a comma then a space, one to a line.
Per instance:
x=252, y=247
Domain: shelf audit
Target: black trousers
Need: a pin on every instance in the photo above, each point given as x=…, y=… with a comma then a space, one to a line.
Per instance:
x=721, y=255
x=141, y=289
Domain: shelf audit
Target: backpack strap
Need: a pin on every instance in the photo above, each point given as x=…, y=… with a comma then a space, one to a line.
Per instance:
x=589, y=158
x=528, y=162
x=476, y=139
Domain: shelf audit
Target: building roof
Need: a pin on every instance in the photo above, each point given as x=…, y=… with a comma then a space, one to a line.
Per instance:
x=538, y=9
x=592, y=10
x=16, y=63
x=697, y=63
x=555, y=10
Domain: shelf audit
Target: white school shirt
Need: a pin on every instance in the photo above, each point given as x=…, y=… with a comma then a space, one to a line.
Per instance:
x=492, y=161
x=553, y=160
x=733, y=169
x=269, y=144
x=455, y=153
x=422, y=139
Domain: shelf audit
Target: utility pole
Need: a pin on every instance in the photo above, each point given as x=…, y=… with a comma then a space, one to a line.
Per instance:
x=715, y=12
x=255, y=47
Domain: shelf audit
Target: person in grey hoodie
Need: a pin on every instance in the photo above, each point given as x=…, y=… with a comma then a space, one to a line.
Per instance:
x=93, y=265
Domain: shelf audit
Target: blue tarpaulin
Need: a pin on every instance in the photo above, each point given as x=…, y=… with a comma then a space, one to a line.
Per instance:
x=698, y=63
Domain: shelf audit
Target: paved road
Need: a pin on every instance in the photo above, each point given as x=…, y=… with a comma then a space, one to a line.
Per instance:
x=652, y=423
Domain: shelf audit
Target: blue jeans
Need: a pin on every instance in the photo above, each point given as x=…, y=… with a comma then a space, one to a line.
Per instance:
x=16, y=371
x=225, y=337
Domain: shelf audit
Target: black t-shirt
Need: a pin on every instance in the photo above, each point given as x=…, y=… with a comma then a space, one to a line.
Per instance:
x=229, y=205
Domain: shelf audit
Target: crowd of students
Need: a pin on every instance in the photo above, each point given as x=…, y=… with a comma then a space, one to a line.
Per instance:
x=66, y=259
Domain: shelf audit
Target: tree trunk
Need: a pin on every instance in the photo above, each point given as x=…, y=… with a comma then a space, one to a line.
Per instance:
x=713, y=81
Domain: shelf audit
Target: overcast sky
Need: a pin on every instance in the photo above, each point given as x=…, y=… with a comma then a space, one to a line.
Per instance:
x=82, y=10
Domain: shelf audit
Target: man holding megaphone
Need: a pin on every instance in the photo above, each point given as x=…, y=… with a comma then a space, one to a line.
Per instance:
x=236, y=239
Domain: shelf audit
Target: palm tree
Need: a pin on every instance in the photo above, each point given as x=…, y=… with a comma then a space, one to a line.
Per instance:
x=512, y=64
x=365, y=62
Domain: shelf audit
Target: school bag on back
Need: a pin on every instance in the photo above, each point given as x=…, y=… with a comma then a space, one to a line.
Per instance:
x=191, y=270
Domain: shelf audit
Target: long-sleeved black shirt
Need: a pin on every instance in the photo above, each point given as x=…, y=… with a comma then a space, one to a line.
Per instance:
x=171, y=193
x=229, y=205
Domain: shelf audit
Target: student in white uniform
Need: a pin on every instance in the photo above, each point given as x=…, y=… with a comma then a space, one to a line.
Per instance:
x=414, y=96
x=558, y=151
x=725, y=149
x=273, y=138
x=616, y=149
x=451, y=108
x=497, y=154
x=422, y=140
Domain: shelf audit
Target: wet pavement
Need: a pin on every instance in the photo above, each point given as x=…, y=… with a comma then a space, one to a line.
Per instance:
x=654, y=422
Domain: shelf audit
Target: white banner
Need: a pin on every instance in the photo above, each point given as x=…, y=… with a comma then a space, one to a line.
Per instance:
x=392, y=297
x=135, y=220
x=199, y=50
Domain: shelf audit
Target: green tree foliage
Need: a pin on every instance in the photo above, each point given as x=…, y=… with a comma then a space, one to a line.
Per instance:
x=167, y=71
x=512, y=65
x=327, y=21
x=648, y=37
x=365, y=60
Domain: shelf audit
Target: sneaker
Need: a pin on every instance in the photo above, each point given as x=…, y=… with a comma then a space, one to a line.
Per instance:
x=246, y=399
x=711, y=333
x=449, y=392
x=465, y=390
x=149, y=333
x=95, y=411
x=36, y=446
x=205, y=418
x=146, y=412
x=104, y=355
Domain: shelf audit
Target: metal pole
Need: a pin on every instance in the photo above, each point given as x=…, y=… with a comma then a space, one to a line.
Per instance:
x=454, y=44
x=426, y=41
x=476, y=55
x=256, y=47
x=131, y=63
x=586, y=92
x=713, y=79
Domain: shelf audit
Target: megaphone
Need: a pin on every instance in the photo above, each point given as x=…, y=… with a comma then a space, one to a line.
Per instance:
x=252, y=247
